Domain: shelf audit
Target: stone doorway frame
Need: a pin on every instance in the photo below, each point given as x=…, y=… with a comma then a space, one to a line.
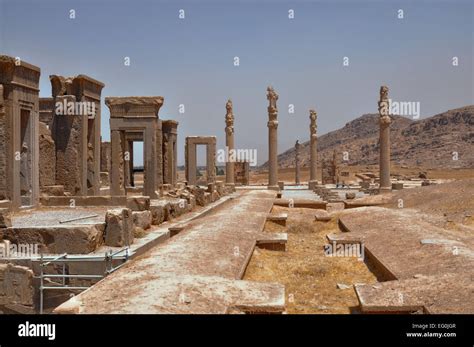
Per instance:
x=19, y=93
x=191, y=157
x=135, y=115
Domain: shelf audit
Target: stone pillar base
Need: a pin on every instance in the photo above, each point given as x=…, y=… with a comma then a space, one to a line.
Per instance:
x=383, y=190
x=312, y=184
x=277, y=188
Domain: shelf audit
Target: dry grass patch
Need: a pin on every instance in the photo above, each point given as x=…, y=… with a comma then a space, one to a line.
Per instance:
x=310, y=278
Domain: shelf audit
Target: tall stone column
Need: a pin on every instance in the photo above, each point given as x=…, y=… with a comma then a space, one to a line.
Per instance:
x=127, y=171
x=313, y=127
x=297, y=162
x=385, y=121
x=272, y=124
x=229, y=142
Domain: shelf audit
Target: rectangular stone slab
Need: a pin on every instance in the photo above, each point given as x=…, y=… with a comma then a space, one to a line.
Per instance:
x=200, y=267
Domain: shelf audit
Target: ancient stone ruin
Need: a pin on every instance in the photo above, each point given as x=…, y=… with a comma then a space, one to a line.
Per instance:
x=136, y=119
x=75, y=209
x=191, y=158
x=385, y=121
x=272, y=124
x=19, y=128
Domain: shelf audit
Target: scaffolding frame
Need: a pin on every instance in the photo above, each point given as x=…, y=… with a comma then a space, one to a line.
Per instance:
x=64, y=259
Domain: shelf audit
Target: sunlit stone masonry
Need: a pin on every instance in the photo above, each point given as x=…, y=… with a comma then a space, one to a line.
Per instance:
x=385, y=121
x=313, y=127
x=75, y=131
x=272, y=124
x=136, y=119
x=191, y=158
x=19, y=118
x=297, y=162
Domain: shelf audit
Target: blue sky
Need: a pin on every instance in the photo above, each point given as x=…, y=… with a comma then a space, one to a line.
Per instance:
x=190, y=61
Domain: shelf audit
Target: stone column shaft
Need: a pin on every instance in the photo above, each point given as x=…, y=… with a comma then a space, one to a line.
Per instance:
x=297, y=163
x=385, y=121
x=116, y=169
x=229, y=142
x=313, y=147
x=272, y=139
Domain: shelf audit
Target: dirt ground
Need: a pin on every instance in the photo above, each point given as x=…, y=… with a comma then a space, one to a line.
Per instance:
x=310, y=277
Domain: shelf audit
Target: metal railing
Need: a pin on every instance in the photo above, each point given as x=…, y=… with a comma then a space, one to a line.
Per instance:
x=64, y=259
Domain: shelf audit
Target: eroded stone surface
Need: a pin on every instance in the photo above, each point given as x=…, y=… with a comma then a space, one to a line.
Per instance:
x=198, y=270
x=119, y=227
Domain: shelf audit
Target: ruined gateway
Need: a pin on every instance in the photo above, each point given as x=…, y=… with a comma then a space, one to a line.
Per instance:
x=76, y=214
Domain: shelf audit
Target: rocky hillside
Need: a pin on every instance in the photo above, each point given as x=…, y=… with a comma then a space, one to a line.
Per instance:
x=430, y=142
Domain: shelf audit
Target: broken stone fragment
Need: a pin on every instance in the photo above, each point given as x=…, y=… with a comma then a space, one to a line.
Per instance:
x=138, y=203
x=322, y=216
x=142, y=219
x=5, y=221
x=119, y=227
x=160, y=211
x=350, y=195
x=343, y=286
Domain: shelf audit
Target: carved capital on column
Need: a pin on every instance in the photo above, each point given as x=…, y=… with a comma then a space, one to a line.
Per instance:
x=384, y=106
x=272, y=124
x=272, y=97
x=313, y=127
x=229, y=118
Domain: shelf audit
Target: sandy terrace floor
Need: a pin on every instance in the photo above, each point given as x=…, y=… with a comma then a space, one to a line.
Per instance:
x=53, y=216
x=310, y=278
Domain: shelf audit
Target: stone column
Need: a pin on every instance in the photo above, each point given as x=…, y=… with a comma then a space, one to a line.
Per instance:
x=127, y=170
x=150, y=159
x=211, y=160
x=3, y=147
x=272, y=139
x=116, y=169
x=229, y=142
x=159, y=154
x=313, y=127
x=130, y=164
x=191, y=163
x=385, y=121
x=297, y=162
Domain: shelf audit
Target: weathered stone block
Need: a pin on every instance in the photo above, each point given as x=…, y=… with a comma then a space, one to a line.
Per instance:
x=350, y=195
x=56, y=190
x=178, y=207
x=160, y=211
x=397, y=185
x=200, y=194
x=5, y=220
x=142, y=219
x=47, y=158
x=16, y=285
x=119, y=227
x=191, y=203
x=138, y=203
x=77, y=239
x=322, y=216
x=220, y=188
x=211, y=187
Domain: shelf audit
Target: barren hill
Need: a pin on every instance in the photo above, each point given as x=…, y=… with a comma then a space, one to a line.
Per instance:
x=430, y=142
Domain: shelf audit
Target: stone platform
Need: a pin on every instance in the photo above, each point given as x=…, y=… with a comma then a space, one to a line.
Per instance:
x=197, y=271
x=428, y=268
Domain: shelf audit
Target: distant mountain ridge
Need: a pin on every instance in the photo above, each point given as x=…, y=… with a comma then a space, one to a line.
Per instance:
x=445, y=140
